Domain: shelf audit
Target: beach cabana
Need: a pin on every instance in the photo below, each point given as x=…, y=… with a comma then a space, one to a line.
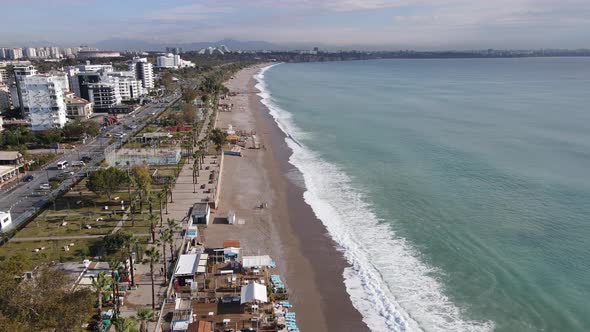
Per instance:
x=200, y=214
x=185, y=269
x=253, y=293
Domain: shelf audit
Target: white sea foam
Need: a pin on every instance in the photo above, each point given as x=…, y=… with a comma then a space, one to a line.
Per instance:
x=389, y=285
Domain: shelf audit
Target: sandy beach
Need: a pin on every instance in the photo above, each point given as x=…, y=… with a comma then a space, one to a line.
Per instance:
x=287, y=228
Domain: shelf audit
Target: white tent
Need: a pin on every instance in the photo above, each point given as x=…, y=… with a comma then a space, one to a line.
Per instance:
x=256, y=261
x=253, y=293
x=187, y=265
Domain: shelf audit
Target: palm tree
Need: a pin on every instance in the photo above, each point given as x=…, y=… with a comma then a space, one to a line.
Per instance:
x=166, y=190
x=125, y=325
x=172, y=181
x=165, y=237
x=160, y=198
x=143, y=316
x=114, y=263
x=153, y=221
x=130, y=243
x=173, y=226
x=152, y=257
x=101, y=285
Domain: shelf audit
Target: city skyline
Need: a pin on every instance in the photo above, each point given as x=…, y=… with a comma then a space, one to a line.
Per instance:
x=384, y=24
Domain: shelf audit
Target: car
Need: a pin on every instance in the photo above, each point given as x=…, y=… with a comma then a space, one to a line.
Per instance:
x=70, y=173
x=45, y=186
x=78, y=163
x=28, y=178
x=108, y=135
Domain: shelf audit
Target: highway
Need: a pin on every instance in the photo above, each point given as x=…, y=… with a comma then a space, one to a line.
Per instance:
x=21, y=197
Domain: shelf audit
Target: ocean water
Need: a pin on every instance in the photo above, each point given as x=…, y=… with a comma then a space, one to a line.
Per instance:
x=458, y=190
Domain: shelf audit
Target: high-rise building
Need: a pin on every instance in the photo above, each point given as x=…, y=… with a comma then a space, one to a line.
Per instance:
x=3, y=54
x=30, y=52
x=44, y=102
x=15, y=53
x=5, y=100
x=104, y=96
x=144, y=71
x=3, y=75
x=20, y=72
x=54, y=52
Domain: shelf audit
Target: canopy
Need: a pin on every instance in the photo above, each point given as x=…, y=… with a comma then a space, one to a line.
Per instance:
x=187, y=265
x=256, y=261
x=253, y=292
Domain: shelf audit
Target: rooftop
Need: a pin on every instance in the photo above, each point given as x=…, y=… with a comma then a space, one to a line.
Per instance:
x=10, y=155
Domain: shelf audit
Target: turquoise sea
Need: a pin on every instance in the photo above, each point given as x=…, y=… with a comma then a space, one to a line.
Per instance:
x=457, y=189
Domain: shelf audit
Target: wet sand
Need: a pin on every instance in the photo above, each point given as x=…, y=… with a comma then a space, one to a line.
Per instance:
x=287, y=229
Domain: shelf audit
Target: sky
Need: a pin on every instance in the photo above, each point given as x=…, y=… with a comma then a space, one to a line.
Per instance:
x=385, y=24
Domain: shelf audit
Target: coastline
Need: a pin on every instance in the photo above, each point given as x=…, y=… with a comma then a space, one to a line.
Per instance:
x=288, y=229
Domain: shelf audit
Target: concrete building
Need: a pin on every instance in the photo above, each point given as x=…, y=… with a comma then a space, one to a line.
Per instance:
x=43, y=101
x=11, y=163
x=172, y=61
x=3, y=54
x=5, y=99
x=15, y=53
x=20, y=72
x=144, y=72
x=104, y=96
x=129, y=87
x=30, y=52
x=77, y=108
x=84, y=54
x=54, y=52
x=1, y=124
x=3, y=75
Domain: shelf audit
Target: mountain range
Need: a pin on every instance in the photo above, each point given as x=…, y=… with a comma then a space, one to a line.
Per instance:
x=120, y=44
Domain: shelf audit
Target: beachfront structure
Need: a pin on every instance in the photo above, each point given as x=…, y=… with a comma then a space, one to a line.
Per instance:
x=251, y=262
x=43, y=101
x=200, y=214
x=77, y=108
x=253, y=293
x=187, y=268
x=5, y=220
x=149, y=156
x=143, y=71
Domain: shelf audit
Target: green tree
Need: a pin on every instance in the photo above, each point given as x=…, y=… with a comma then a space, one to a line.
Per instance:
x=218, y=138
x=153, y=219
x=152, y=257
x=106, y=181
x=143, y=316
x=116, y=241
x=130, y=243
x=189, y=94
x=125, y=325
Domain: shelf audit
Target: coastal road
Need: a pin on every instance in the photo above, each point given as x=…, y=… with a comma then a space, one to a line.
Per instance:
x=22, y=196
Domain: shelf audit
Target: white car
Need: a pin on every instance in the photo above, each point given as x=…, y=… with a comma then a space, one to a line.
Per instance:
x=45, y=186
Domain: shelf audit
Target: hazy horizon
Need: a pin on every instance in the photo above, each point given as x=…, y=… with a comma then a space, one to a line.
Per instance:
x=371, y=24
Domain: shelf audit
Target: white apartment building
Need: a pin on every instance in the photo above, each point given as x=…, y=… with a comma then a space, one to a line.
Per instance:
x=3, y=75
x=43, y=100
x=144, y=71
x=20, y=72
x=15, y=53
x=54, y=51
x=30, y=52
x=3, y=54
x=5, y=100
x=168, y=61
x=129, y=87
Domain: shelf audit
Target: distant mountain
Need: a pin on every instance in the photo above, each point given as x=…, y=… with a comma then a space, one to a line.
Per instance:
x=120, y=44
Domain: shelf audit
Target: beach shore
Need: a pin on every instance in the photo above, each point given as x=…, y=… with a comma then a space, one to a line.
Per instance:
x=286, y=229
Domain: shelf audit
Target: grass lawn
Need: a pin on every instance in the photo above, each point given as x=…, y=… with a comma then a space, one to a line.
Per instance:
x=53, y=250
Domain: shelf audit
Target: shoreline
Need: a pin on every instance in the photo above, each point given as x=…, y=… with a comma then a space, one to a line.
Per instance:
x=288, y=229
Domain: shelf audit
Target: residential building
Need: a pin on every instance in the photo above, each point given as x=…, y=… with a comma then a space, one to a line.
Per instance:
x=5, y=99
x=43, y=101
x=144, y=71
x=20, y=72
x=77, y=108
x=3, y=54
x=103, y=96
x=11, y=163
x=54, y=51
x=15, y=53
x=1, y=124
x=129, y=87
x=30, y=52
x=3, y=75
